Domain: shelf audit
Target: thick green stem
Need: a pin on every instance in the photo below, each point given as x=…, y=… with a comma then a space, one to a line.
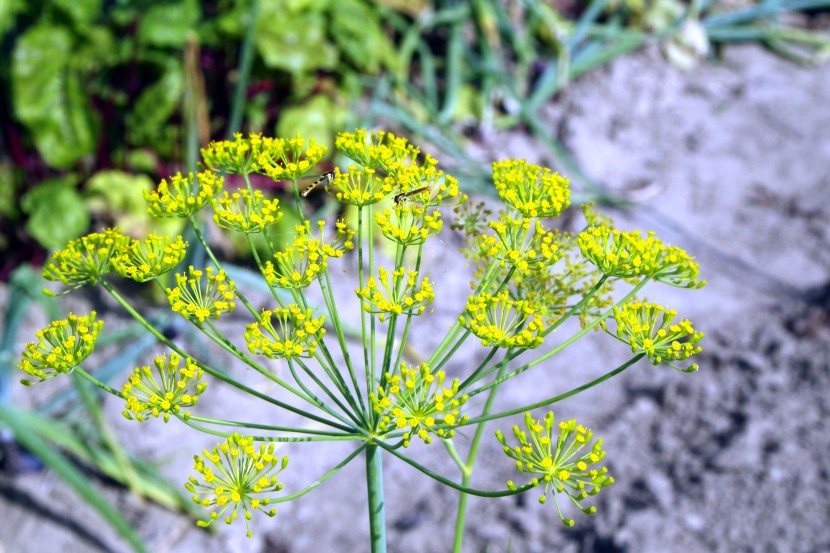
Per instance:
x=374, y=483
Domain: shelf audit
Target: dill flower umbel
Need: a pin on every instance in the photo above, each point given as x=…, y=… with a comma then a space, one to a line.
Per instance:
x=410, y=224
x=246, y=211
x=85, y=260
x=360, y=186
x=234, y=157
x=561, y=468
x=521, y=243
x=414, y=400
x=295, y=333
x=198, y=299
x=176, y=387
x=184, y=196
x=502, y=322
x=398, y=295
x=299, y=264
x=60, y=347
x=650, y=329
x=241, y=478
x=530, y=189
x=151, y=258
x=286, y=159
x=377, y=150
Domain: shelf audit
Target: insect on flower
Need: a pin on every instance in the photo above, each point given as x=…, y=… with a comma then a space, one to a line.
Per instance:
x=324, y=180
x=404, y=196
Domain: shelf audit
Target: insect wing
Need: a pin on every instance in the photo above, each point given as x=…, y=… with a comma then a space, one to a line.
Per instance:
x=323, y=180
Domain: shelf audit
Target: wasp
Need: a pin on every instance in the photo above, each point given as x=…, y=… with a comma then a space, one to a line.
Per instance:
x=404, y=196
x=324, y=180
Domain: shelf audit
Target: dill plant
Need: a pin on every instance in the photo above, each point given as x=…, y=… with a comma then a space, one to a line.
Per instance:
x=528, y=281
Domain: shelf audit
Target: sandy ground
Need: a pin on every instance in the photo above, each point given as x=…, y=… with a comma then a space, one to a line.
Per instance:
x=733, y=159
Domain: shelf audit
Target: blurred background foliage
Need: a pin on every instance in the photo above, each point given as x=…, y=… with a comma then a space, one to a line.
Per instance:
x=103, y=98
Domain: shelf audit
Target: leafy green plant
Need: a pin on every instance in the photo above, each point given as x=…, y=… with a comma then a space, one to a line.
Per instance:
x=528, y=282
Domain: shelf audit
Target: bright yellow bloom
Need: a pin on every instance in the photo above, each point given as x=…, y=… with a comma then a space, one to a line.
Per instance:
x=651, y=329
x=246, y=211
x=530, y=189
x=184, y=195
x=559, y=465
x=295, y=334
x=175, y=388
x=234, y=157
x=360, y=186
x=85, y=260
x=240, y=479
x=299, y=264
x=398, y=295
x=60, y=347
x=409, y=224
x=151, y=258
x=521, y=243
x=198, y=299
x=413, y=399
x=502, y=322
x=285, y=159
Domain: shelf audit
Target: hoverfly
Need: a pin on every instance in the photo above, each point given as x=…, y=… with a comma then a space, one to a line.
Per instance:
x=404, y=196
x=324, y=180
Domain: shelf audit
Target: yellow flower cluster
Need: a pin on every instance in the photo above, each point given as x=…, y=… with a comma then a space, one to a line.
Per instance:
x=234, y=157
x=240, y=479
x=650, y=329
x=246, y=211
x=184, y=195
x=560, y=466
x=85, y=260
x=399, y=295
x=530, y=189
x=60, y=347
x=198, y=299
x=377, y=150
x=295, y=334
x=502, y=322
x=299, y=264
x=414, y=400
x=176, y=387
x=360, y=186
x=151, y=258
x=630, y=255
x=285, y=159
x=521, y=243
x=409, y=225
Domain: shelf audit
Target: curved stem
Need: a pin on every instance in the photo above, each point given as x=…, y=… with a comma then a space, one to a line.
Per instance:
x=280, y=439
x=450, y=483
x=322, y=479
x=560, y=397
x=240, y=424
x=98, y=383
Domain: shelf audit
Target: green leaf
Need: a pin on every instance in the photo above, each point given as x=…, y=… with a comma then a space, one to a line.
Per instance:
x=291, y=36
x=49, y=98
x=168, y=24
x=318, y=118
x=8, y=190
x=355, y=28
x=31, y=440
x=82, y=12
x=122, y=195
x=56, y=211
x=155, y=105
x=8, y=13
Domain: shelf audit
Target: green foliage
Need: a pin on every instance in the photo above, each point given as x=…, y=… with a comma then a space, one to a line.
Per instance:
x=56, y=212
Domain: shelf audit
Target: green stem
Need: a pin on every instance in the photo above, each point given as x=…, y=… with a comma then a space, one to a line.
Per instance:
x=98, y=383
x=325, y=477
x=374, y=484
x=240, y=424
x=210, y=370
x=244, y=72
x=558, y=398
x=467, y=471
